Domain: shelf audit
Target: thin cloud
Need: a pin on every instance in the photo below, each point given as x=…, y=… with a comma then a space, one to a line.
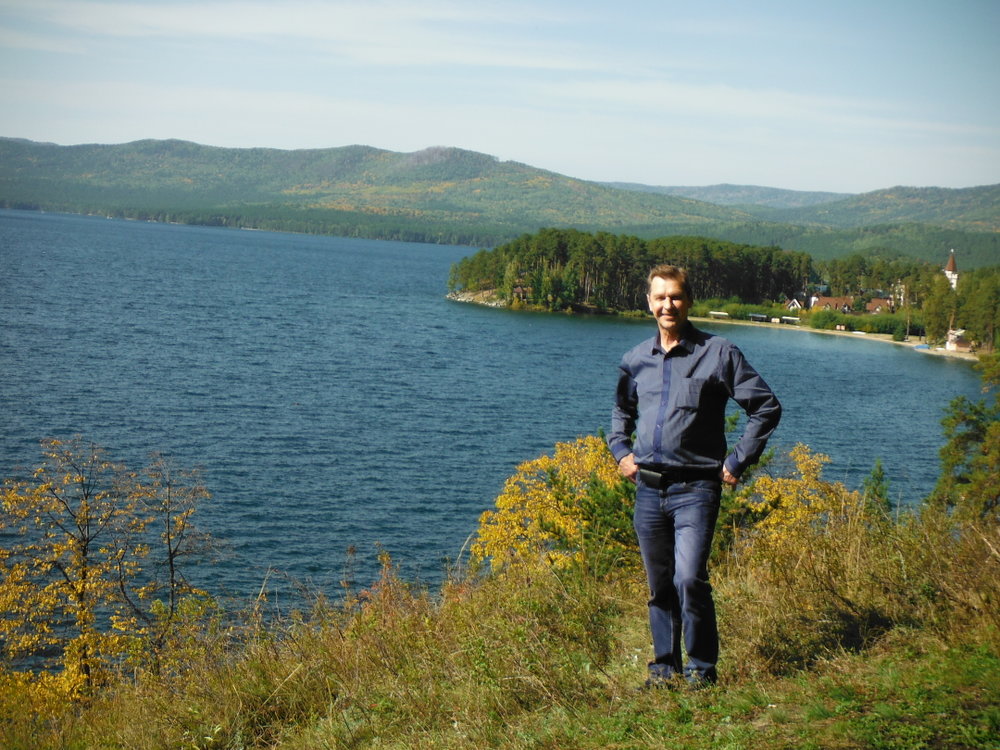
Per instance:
x=743, y=105
x=645, y=92
x=367, y=33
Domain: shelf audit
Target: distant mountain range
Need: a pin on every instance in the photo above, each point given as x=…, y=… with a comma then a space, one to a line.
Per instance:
x=451, y=195
x=738, y=195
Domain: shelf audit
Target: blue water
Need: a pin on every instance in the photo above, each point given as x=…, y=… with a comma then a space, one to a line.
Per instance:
x=335, y=398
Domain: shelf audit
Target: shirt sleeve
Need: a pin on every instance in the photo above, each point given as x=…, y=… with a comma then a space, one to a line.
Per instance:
x=762, y=408
x=623, y=415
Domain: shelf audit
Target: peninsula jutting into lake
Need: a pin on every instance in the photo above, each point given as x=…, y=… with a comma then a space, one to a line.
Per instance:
x=922, y=304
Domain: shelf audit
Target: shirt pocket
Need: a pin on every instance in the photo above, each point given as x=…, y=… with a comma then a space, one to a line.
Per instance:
x=689, y=392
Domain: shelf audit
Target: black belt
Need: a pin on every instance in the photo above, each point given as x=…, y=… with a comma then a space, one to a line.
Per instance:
x=660, y=479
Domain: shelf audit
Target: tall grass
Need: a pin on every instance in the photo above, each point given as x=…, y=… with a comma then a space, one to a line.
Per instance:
x=822, y=594
x=828, y=569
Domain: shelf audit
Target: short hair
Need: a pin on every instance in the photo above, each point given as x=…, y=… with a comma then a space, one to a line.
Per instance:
x=675, y=273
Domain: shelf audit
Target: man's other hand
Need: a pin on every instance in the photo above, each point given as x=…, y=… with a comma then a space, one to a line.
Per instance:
x=628, y=467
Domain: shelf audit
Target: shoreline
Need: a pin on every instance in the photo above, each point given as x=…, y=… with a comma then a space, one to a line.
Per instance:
x=913, y=343
x=486, y=299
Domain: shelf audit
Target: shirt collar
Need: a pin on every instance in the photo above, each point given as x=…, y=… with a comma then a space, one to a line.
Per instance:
x=687, y=341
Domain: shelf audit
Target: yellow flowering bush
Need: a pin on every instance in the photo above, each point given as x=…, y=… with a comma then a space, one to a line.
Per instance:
x=547, y=507
x=793, y=505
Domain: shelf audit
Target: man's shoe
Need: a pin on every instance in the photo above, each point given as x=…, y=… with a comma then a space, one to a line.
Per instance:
x=698, y=680
x=661, y=682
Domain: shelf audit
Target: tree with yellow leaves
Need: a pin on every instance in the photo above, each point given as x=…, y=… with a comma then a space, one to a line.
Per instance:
x=73, y=592
x=555, y=510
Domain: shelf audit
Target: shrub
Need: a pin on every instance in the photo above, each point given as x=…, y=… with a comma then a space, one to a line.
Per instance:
x=828, y=320
x=558, y=510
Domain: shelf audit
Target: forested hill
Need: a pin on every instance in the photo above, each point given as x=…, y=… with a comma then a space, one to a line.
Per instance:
x=752, y=196
x=976, y=209
x=438, y=194
x=451, y=195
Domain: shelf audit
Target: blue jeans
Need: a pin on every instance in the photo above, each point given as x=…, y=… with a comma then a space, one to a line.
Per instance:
x=675, y=526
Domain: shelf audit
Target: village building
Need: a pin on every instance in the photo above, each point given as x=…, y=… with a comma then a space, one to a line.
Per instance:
x=957, y=342
x=951, y=270
x=881, y=305
x=837, y=304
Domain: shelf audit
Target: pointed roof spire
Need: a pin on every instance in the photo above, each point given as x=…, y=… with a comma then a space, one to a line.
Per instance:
x=951, y=267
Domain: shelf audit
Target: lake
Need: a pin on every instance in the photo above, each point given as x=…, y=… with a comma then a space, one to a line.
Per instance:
x=334, y=397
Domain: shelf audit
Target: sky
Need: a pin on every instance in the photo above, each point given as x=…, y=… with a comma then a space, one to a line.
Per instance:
x=839, y=96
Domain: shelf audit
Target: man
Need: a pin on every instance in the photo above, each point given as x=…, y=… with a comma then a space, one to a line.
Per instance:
x=668, y=436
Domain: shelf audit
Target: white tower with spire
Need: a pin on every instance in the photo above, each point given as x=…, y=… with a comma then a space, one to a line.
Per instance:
x=951, y=270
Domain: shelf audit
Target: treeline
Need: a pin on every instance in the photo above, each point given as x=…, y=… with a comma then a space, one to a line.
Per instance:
x=328, y=222
x=559, y=268
x=279, y=218
x=922, y=242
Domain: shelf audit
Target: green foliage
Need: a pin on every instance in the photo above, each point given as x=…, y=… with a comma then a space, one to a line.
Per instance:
x=970, y=459
x=968, y=208
x=979, y=306
x=897, y=325
x=828, y=320
x=921, y=242
x=608, y=272
x=876, y=487
x=607, y=540
x=859, y=274
x=751, y=198
x=939, y=310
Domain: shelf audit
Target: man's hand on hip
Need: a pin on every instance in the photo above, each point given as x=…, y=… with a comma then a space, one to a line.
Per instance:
x=628, y=467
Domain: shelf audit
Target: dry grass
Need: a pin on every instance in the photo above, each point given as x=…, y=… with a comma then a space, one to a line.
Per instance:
x=814, y=613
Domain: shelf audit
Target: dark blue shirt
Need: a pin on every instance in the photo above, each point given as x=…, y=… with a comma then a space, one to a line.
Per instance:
x=675, y=405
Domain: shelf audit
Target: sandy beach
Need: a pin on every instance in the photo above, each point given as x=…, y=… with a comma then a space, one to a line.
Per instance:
x=487, y=299
x=913, y=341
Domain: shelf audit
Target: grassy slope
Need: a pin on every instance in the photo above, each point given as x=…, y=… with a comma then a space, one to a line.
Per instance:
x=507, y=666
x=890, y=624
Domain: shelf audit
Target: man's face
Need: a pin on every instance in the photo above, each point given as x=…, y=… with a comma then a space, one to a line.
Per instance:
x=669, y=305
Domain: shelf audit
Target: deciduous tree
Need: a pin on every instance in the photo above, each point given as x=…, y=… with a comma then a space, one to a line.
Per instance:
x=79, y=586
